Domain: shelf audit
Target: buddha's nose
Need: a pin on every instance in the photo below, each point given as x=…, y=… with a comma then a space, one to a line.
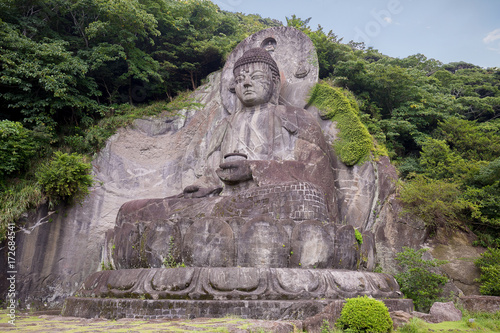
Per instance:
x=247, y=82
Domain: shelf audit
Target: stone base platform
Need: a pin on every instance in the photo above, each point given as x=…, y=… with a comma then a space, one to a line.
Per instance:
x=238, y=283
x=247, y=292
x=116, y=308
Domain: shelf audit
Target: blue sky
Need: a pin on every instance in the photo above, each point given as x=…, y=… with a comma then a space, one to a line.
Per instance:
x=446, y=30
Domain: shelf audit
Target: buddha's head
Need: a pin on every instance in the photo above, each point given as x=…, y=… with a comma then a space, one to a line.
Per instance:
x=257, y=78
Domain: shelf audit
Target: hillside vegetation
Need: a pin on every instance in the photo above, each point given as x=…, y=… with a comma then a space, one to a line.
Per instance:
x=71, y=72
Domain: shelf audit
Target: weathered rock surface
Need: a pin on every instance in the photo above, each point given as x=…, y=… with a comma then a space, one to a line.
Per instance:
x=400, y=318
x=393, y=231
x=445, y=312
x=456, y=248
x=480, y=303
x=330, y=313
x=440, y=312
x=116, y=308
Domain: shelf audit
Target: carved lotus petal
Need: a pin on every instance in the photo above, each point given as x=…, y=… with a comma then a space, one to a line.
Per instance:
x=173, y=279
x=237, y=278
x=350, y=280
x=297, y=280
x=124, y=281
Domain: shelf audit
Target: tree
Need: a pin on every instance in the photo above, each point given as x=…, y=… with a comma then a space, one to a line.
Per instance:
x=17, y=147
x=195, y=39
x=440, y=162
x=42, y=79
x=482, y=191
x=470, y=139
x=328, y=46
x=437, y=202
x=128, y=23
x=418, y=280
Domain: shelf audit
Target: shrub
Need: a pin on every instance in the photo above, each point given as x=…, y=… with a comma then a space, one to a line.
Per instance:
x=65, y=178
x=364, y=314
x=489, y=264
x=417, y=281
x=17, y=146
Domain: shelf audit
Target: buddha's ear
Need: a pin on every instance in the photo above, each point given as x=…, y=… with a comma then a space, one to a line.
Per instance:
x=232, y=86
x=275, y=91
x=276, y=80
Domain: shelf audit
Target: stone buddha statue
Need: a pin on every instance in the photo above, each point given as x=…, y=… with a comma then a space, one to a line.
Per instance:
x=258, y=231
x=274, y=209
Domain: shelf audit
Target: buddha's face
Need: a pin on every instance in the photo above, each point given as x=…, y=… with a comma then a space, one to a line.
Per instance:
x=254, y=84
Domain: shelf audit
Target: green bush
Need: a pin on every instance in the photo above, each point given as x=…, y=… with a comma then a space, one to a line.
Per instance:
x=489, y=264
x=65, y=178
x=417, y=281
x=364, y=314
x=17, y=146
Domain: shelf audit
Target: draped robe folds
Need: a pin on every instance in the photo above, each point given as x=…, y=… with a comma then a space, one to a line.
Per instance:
x=282, y=143
x=260, y=133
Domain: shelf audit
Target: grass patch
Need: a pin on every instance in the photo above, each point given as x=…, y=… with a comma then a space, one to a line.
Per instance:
x=481, y=322
x=27, y=322
x=20, y=196
x=415, y=325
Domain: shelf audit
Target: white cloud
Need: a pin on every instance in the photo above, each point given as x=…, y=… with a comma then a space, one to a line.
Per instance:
x=389, y=20
x=495, y=49
x=492, y=36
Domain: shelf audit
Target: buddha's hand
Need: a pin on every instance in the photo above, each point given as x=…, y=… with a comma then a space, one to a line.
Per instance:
x=195, y=191
x=235, y=171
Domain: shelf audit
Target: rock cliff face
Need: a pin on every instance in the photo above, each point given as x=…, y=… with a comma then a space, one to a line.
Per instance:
x=159, y=157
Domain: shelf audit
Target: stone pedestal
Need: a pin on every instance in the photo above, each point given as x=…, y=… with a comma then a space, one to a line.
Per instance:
x=116, y=308
x=257, y=293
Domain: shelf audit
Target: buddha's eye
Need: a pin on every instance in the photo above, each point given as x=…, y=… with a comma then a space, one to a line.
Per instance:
x=239, y=79
x=257, y=77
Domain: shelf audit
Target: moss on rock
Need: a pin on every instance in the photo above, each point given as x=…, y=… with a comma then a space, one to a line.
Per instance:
x=355, y=142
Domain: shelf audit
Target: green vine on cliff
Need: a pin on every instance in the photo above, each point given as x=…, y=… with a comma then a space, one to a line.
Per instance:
x=354, y=142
